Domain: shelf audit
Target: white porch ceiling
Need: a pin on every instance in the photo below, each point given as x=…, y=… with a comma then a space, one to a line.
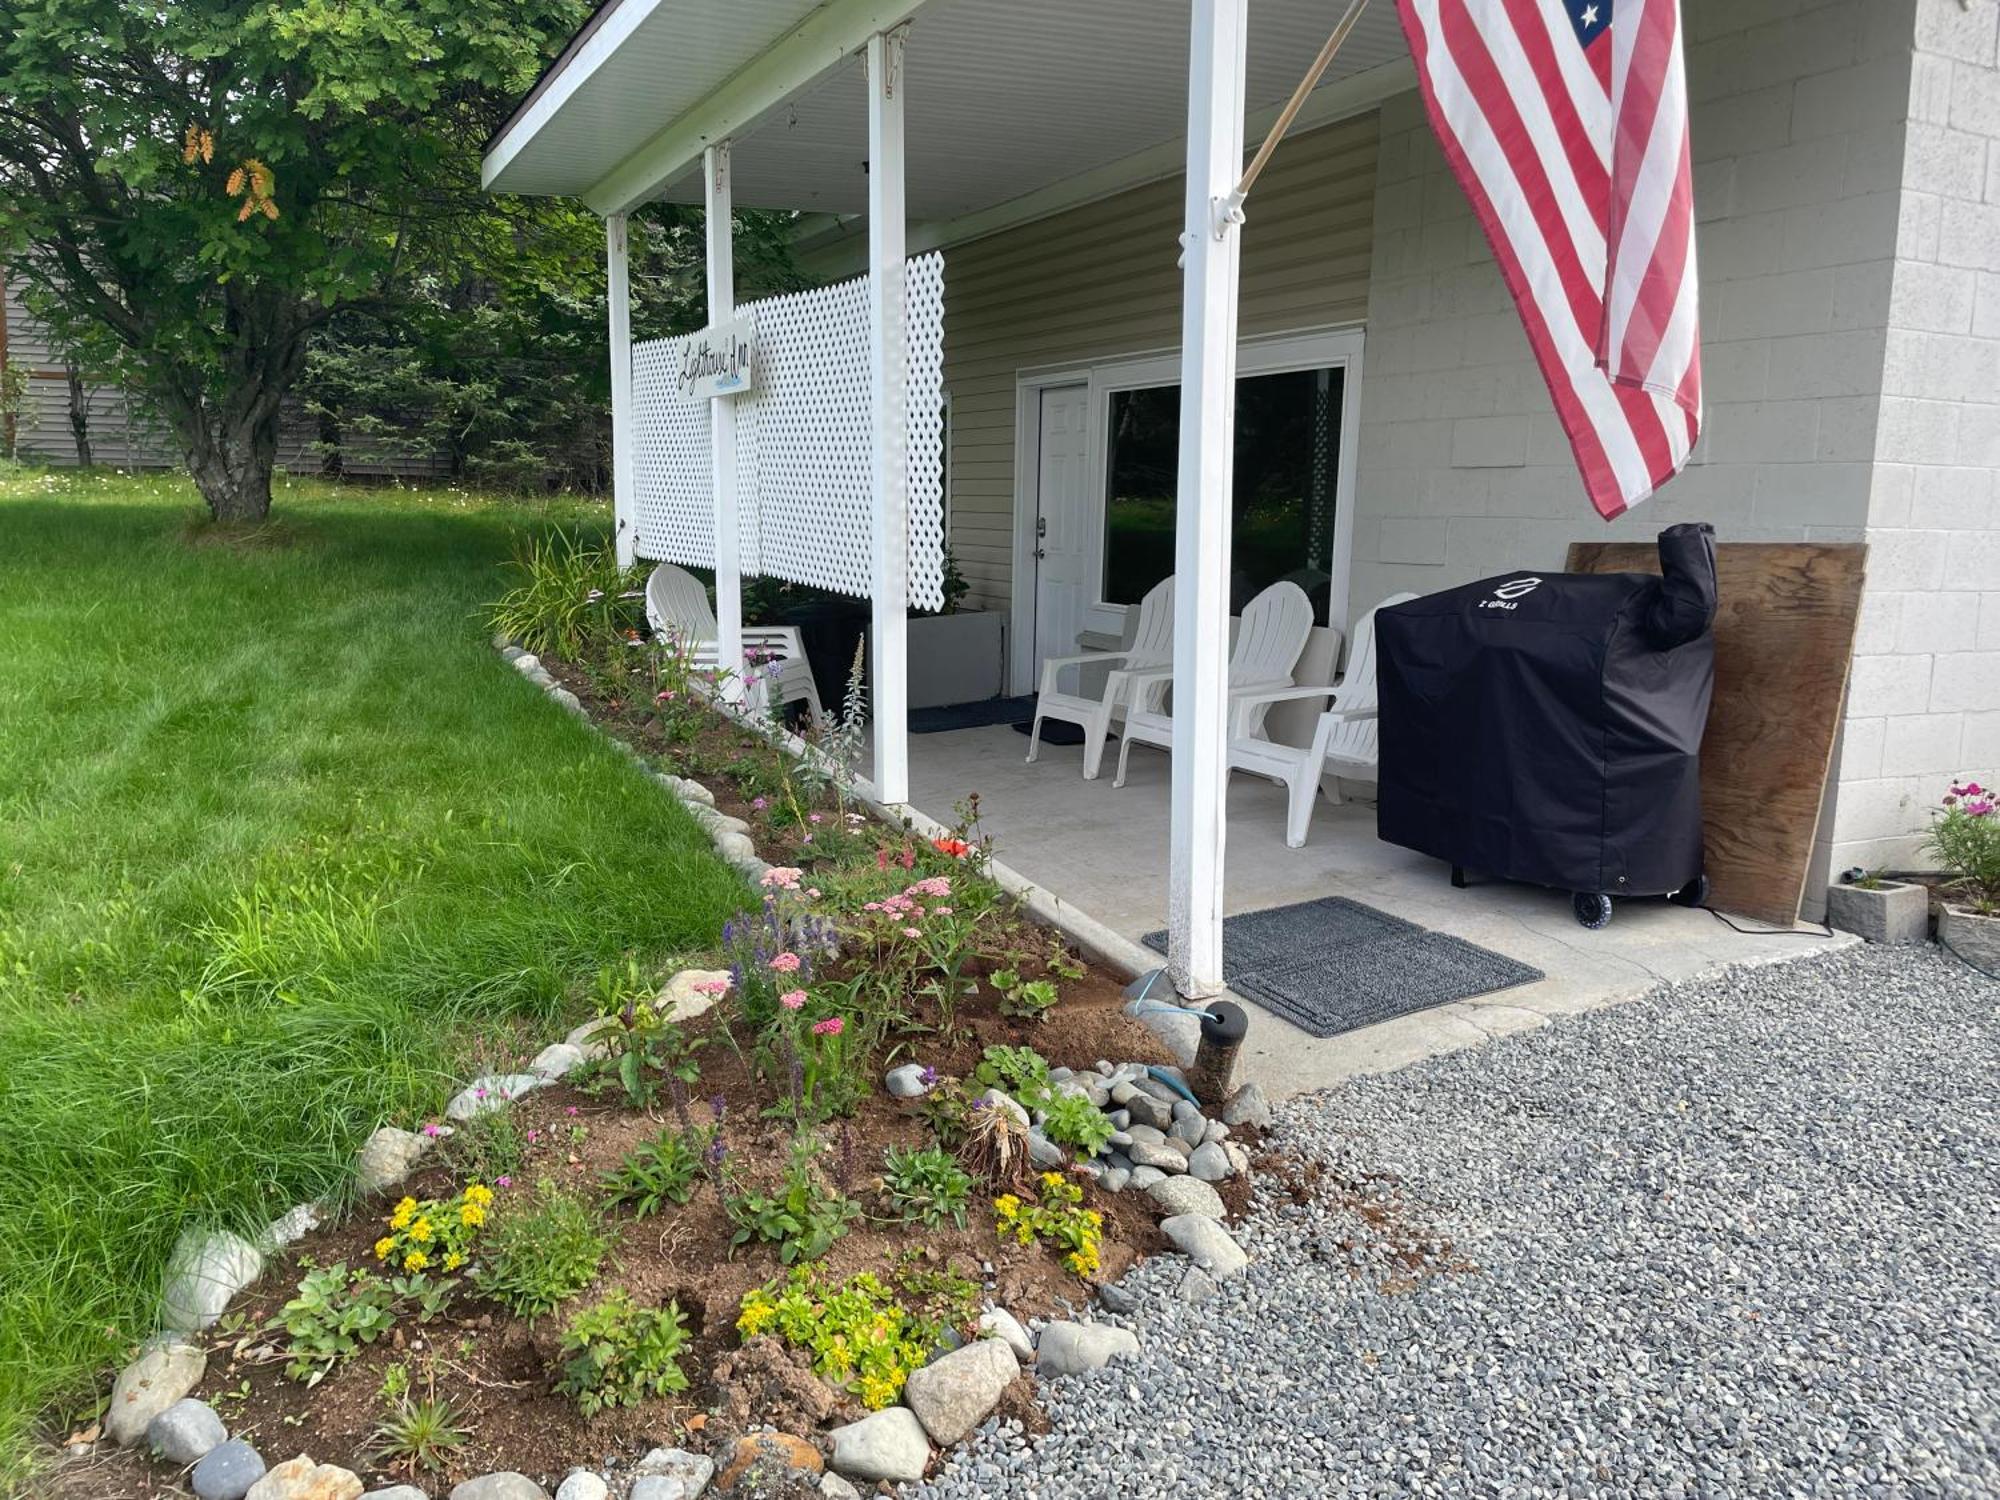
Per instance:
x=1004, y=97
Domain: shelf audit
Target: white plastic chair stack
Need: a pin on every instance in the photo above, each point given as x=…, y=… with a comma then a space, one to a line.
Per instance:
x=1345, y=740
x=677, y=605
x=1152, y=648
x=1269, y=641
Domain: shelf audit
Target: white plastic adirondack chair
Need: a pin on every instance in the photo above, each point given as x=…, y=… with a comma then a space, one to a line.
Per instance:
x=1270, y=638
x=1344, y=741
x=1152, y=648
x=677, y=605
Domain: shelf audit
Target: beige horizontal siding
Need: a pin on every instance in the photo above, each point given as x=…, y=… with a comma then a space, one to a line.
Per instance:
x=1100, y=282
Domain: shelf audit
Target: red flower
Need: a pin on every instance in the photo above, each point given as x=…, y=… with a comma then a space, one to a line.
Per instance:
x=955, y=847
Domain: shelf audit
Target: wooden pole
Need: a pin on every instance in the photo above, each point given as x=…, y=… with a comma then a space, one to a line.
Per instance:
x=1297, y=102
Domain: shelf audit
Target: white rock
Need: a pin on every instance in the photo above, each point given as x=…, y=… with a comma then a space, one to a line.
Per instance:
x=588, y=1039
x=694, y=791
x=906, y=1082
x=734, y=846
x=996, y=1099
x=506, y=1485
x=888, y=1444
x=1205, y=1242
x=833, y=1487
x=671, y=1474
x=997, y=1322
x=677, y=999
x=568, y=700
x=494, y=1091
x=1239, y=1159
x=205, y=1272
x=582, y=1485
x=300, y=1220
x=1186, y=1195
x=527, y=662
x=1073, y=1348
x=953, y=1395
x=387, y=1157
x=556, y=1060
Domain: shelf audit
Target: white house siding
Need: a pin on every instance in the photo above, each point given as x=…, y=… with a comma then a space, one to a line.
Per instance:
x=1101, y=281
x=1924, y=704
x=1843, y=354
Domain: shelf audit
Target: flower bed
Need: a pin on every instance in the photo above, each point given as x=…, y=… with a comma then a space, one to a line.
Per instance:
x=889, y=1117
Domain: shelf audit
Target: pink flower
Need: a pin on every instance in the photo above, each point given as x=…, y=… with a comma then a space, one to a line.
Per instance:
x=571, y=1111
x=793, y=999
x=758, y=804
x=913, y=932
x=434, y=1129
x=942, y=911
x=715, y=987
x=532, y=1136
x=807, y=839
x=503, y=1180
x=812, y=893
x=786, y=963
x=831, y=1026
x=814, y=818
x=936, y=885
x=783, y=877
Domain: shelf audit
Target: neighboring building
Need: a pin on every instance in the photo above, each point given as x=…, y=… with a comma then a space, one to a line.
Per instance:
x=1847, y=181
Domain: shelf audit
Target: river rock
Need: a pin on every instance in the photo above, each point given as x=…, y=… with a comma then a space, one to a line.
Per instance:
x=765, y=1453
x=205, y=1272
x=387, y=1157
x=1146, y=1110
x=1247, y=1106
x=398, y=1492
x=889, y=1444
x=1161, y=1158
x=907, y=1082
x=505, y=1485
x=1205, y=1242
x=589, y=1038
x=678, y=999
x=1186, y=1195
x=186, y=1431
x=833, y=1487
x=669, y=1474
x=494, y=1091
x=581, y=1484
x=165, y=1371
x=996, y=1099
x=228, y=1472
x=1004, y=1326
x=556, y=1060
x=302, y=1479
x=953, y=1395
x=1144, y=1177
x=1210, y=1163
x=1072, y=1348
x=1045, y=1153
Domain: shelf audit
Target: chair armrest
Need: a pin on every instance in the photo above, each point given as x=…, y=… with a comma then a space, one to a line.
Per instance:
x=1054, y=666
x=1283, y=694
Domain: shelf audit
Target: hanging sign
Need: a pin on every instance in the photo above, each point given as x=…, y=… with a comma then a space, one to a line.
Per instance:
x=718, y=361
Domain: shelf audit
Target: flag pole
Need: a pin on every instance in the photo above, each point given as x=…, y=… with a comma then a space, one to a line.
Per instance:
x=1297, y=102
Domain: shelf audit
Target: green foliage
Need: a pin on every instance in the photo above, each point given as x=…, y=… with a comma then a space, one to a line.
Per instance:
x=658, y=1173
x=535, y=1258
x=1074, y=1121
x=567, y=590
x=423, y=1431
x=861, y=1337
x=334, y=1312
x=1024, y=999
x=1965, y=839
x=1018, y=1071
x=803, y=1218
x=1055, y=1216
x=620, y=1353
x=924, y=1185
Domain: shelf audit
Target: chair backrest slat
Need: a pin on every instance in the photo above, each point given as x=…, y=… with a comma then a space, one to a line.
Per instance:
x=1153, y=642
x=1272, y=635
x=676, y=600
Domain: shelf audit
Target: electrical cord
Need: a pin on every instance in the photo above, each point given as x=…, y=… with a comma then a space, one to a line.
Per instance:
x=1825, y=931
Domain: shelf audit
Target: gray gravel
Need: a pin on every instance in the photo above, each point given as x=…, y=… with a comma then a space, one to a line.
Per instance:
x=1737, y=1239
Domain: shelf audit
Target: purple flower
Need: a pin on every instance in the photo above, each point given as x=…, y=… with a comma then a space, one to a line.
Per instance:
x=718, y=1106
x=928, y=1077
x=717, y=1150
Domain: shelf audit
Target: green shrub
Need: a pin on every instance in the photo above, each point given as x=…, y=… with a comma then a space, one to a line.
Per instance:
x=925, y=1186
x=658, y=1173
x=538, y=1257
x=421, y=1430
x=1074, y=1121
x=568, y=591
x=861, y=1337
x=1019, y=1071
x=621, y=1353
x=803, y=1218
x=335, y=1312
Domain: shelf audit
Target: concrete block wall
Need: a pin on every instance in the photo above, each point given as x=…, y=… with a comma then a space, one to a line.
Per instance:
x=1849, y=204
x=1924, y=702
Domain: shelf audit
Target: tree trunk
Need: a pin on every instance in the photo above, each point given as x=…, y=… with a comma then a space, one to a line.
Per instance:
x=79, y=414
x=231, y=435
x=232, y=469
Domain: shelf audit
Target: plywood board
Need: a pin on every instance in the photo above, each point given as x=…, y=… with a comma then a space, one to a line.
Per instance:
x=1784, y=634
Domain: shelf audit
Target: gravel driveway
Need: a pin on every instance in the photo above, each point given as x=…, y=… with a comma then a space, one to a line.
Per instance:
x=1737, y=1239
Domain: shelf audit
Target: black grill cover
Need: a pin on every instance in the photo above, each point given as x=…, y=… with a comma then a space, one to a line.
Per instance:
x=1547, y=727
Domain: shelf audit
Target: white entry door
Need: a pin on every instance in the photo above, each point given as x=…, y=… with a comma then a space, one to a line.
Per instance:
x=1065, y=557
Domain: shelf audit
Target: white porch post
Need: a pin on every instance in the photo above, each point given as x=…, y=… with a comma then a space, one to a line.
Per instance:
x=1201, y=544
x=618, y=296
x=888, y=373
x=722, y=431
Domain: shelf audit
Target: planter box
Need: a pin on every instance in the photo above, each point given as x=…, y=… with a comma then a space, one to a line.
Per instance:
x=1892, y=912
x=956, y=658
x=1974, y=938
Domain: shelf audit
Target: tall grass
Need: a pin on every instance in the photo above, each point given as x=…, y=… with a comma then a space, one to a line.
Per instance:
x=283, y=847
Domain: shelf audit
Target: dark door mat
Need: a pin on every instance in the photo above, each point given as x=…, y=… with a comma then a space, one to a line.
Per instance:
x=978, y=715
x=1334, y=965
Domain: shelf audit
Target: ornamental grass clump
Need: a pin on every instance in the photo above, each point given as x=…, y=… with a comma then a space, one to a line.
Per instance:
x=1055, y=1217
x=1965, y=840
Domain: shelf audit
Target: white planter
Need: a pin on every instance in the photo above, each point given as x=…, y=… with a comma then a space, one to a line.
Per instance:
x=1974, y=938
x=1893, y=911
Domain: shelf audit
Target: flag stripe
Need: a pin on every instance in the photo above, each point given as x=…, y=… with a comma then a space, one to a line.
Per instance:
x=1574, y=155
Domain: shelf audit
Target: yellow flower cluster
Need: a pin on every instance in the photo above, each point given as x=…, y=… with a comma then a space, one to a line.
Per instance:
x=1057, y=1217
x=434, y=1232
x=860, y=1337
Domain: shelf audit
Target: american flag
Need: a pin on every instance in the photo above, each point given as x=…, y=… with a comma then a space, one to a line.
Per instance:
x=1566, y=124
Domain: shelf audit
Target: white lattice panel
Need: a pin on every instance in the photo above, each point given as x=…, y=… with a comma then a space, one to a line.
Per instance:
x=804, y=437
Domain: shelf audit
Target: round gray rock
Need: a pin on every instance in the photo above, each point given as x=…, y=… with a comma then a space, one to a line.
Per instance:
x=1186, y=1195
x=205, y=1272
x=228, y=1471
x=1073, y=1348
x=506, y=1485
x=671, y=1474
x=890, y=1444
x=1210, y=1162
x=164, y=1372
x=582, y=1485
x=398, y=1492
x=1247, y=1106
x=1160, y=1158
x=1003, y=1325
x=1205, y=1242
x=906, y=1082
x=185, y=1431
x=953, y=1395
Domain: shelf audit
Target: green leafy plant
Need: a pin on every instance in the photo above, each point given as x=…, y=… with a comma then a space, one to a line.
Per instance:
x=1074, y=1121
x=334, y=1313
x=924, y=1185
x=660, y=1172
x=435, y=1233
x=538, y=1256
x=1024, y=999
x=1054, y=1215
x=803, y=1218
x=421, y=1431
x=861, y=1337
x=1021, y=1072
x=1965, y=839
x=566, y=591
x=619, y=1353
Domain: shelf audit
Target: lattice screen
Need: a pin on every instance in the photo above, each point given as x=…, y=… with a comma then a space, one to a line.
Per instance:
x=804, y=434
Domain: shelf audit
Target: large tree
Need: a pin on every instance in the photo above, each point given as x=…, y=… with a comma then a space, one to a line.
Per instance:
x=195, y=187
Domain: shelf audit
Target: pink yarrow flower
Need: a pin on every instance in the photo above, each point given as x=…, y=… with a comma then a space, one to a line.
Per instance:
x=793, y=999
x=831, y=1026
x=782, y=877
x=715, y=987
x=786, y=963
x=935, y=886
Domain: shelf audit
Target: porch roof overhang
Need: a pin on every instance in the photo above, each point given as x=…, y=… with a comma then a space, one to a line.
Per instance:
x=1014, y=107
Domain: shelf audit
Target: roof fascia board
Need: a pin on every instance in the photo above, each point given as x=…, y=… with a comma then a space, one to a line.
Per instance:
x=820, y=41
x=617, y=29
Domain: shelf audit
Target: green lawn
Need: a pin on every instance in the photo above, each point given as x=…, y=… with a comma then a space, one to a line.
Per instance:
x=283, y=846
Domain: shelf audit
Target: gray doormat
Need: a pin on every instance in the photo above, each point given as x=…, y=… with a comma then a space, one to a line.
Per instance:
x=1334, y=965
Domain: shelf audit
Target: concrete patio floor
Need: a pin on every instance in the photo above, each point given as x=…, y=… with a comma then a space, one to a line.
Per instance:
x=1104, y=850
